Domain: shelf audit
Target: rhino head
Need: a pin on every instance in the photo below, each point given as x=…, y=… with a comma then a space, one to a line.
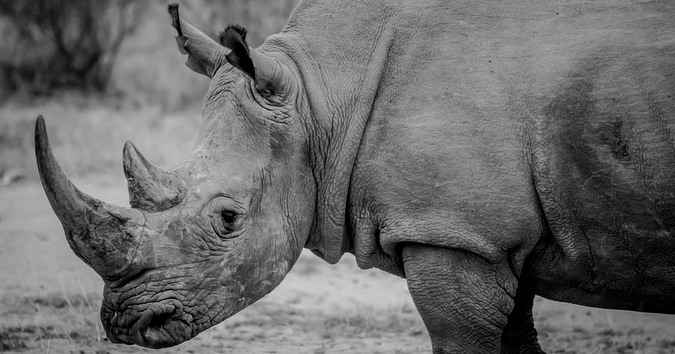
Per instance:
x=218, y=232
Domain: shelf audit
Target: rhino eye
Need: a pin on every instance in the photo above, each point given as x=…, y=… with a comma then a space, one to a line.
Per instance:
x=224, y=219
x=229, y=217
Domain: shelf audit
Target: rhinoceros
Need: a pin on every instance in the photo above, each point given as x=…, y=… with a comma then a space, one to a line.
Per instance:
x=485, y=151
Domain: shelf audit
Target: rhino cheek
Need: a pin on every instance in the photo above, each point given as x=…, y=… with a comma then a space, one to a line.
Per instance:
x=259, y=277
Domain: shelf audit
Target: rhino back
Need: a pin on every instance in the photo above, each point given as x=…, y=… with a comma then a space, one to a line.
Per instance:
x=491, y=117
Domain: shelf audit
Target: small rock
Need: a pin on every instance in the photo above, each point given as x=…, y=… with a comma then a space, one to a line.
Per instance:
x=11, y=175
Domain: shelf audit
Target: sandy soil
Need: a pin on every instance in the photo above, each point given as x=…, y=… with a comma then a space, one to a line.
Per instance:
x=49, y=302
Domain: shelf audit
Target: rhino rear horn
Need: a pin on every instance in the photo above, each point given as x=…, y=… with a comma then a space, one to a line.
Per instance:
x=104, y=236
x=150, y=187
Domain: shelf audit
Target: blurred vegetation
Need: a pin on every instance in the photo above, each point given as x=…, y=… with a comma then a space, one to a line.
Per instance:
x=73, y=44
x=105, y=71
x=260, y=17
x=55, y=44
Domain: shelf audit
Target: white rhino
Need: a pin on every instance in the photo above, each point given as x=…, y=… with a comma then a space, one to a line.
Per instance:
x=487, y=151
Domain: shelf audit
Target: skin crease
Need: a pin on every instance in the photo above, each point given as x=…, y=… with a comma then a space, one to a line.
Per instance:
x=485, y=151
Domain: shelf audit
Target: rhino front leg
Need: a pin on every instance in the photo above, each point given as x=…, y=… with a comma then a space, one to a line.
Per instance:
x=519, y=335
x=463, y=299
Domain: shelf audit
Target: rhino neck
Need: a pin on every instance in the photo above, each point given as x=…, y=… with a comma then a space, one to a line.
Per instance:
x=341, y=68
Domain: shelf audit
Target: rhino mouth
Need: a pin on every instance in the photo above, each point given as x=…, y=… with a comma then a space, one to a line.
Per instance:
x=159, y=326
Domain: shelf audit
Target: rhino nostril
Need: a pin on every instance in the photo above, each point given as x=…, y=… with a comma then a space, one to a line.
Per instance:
x=158, y=321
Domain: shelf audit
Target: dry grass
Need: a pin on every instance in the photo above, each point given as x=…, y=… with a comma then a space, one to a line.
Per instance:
x=568, y=329
x=39, y=320
x=155, y=102
x=89, y=139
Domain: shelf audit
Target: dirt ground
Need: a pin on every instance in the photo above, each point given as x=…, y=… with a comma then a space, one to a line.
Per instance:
x=49, y=302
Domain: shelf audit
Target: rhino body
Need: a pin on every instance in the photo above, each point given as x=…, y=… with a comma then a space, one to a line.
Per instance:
x=486, y=151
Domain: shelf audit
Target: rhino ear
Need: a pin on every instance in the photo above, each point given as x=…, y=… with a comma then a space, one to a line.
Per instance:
x=205, y=55
x=233, y=37
x=268, y=74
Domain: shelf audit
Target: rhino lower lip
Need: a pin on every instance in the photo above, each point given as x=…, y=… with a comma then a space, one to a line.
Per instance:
x=155, y=328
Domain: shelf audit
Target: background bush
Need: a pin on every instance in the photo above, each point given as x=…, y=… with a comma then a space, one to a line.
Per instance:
x=54, y=44
x=51, y=45
x=260, y=17
x=57, y=52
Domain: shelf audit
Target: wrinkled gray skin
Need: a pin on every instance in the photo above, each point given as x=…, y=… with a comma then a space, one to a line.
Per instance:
x=486, y=151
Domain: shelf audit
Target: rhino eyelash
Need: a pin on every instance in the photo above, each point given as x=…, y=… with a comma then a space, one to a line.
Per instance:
x=266, y=93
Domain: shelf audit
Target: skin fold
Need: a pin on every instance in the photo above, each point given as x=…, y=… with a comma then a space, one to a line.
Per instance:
x=487, y=152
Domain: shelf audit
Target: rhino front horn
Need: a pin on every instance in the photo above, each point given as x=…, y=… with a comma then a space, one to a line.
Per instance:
x=104, y=236
x=150, y=188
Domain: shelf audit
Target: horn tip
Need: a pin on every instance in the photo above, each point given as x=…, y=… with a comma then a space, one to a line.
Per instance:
x=39, y=124
x=130, y=151
x=128, y=145
x=133, y=159
x=41, y=138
